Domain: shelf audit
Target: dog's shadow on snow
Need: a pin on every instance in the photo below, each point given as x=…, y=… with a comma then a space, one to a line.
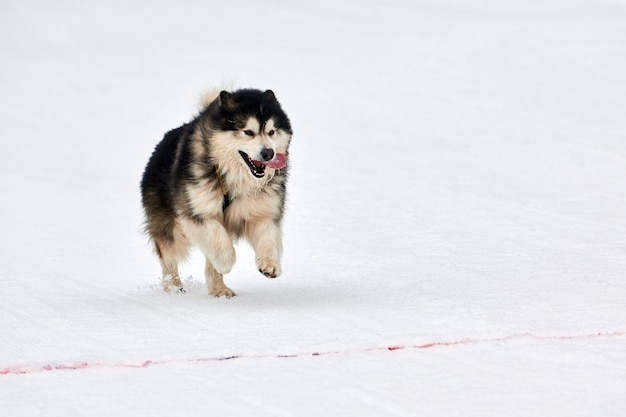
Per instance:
x=264, y=293
x=289, y=297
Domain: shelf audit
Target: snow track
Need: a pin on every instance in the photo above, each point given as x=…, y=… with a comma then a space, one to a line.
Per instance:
x=454, y=233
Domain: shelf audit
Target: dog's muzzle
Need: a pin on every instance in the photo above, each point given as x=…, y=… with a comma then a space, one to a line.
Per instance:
x=272, y=160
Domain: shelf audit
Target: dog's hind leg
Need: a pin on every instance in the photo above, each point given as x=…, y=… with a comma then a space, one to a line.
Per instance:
x=171, y=253
x=171, y=279
x=266, y=239
x=215, y=282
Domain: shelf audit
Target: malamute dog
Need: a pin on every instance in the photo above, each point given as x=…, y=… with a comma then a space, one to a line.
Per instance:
x=220, y=177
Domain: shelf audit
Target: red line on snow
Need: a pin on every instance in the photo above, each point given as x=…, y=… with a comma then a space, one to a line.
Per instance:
x=22, y=370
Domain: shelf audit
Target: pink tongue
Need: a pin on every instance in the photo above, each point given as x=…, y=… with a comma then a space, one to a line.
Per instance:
x=279, y=161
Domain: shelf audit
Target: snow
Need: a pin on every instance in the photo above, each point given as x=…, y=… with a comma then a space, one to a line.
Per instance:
x=455, y=231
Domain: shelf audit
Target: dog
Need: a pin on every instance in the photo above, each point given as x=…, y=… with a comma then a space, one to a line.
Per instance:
x=216, y=179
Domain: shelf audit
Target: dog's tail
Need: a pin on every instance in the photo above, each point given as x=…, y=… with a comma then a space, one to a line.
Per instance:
x=210, y=94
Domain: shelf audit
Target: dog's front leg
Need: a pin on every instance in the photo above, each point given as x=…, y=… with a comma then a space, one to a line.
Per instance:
x=217, y=246
x=267, y=241
x=215, y=282
x=213, y=241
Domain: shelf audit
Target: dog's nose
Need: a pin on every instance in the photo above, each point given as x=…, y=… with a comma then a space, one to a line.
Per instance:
x=267, y=154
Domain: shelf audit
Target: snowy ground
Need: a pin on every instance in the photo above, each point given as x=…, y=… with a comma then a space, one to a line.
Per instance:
x=456, y=226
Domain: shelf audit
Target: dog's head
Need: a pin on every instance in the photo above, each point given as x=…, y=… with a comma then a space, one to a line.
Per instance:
x=249, y=128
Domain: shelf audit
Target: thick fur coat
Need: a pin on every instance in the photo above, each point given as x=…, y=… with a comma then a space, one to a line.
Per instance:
x=216, y=179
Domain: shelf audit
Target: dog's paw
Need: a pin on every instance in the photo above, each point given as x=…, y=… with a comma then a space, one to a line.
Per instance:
x=268, y=267
x=173, y=285
x=222, y=292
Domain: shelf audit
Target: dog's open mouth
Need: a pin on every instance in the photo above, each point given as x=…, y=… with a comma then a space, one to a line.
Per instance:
x=257, y=168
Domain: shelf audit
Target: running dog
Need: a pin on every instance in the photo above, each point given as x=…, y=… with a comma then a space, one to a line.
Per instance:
x=216, y=179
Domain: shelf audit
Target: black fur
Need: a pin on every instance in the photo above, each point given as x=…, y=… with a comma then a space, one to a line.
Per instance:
x=159, y=181
x=232, y=110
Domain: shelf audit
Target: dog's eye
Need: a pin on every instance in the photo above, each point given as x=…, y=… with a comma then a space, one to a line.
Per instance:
x=248, y=132
x=271, y=132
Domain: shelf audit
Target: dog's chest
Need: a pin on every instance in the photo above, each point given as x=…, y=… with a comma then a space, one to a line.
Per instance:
x=258, y=206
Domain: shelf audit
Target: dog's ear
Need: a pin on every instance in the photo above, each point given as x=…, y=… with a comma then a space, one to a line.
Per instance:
x=269, y=95
x=226, y=100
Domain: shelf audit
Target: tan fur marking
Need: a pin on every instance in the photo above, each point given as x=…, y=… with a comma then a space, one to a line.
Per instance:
x=253, y=125
x=215, y=282
x=170, y=255
x=198, y=167
x=253, y=207
x=266, y=239
x=214, y=242
x=205, y=201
